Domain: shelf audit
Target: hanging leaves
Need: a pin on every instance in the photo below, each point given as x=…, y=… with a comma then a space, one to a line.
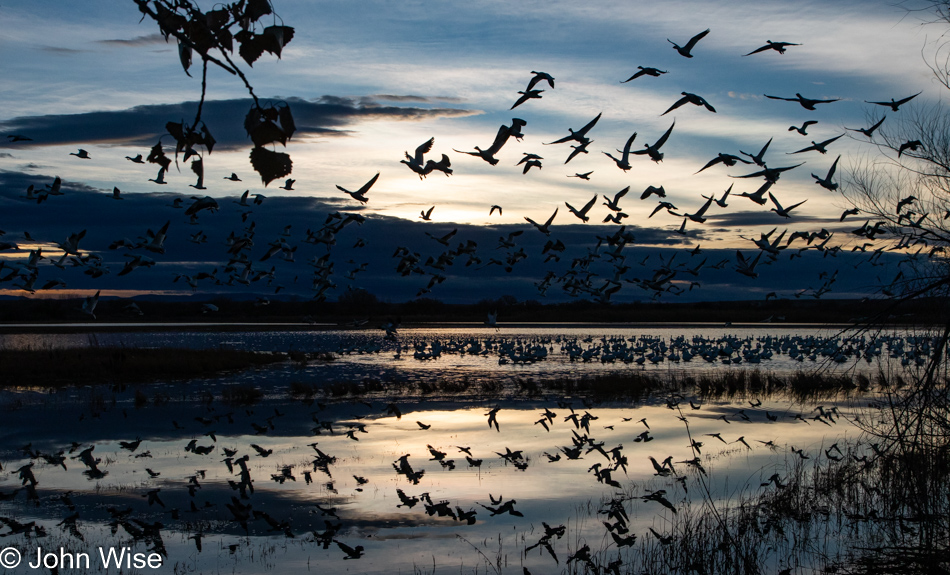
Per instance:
x=157, y=156
x=276, y=37
x=184, y=54
x=269, y=125
x=251, y=46
x=218, y=30
x=270, y=165
x=257, y=8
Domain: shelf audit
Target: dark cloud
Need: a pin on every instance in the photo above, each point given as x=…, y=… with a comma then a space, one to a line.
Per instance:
x=413, y=98
x=106, y=220
x=60, y=50
x=146, y=40
x=143, y=125
x=5, y=155
x=763, y=218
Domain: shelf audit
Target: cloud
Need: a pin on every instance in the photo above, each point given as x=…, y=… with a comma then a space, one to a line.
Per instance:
x=60, y=50
x=143, y=125
x=413, y=98
x=5, y=155
x=145, y=40
x=763, y=218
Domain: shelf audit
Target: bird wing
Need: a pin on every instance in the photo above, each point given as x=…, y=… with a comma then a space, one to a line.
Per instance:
x=793, y=206
x=368, y=185
x=626, y=147
x=589, y=125
x=831, y=170
x=757, y=50
x=424, y=149
x=780, y=98
x=551, y=219
x=621, y=194
x=712, y=162
x=504, y=132
x=665, y=136
x=588, y=205
x=778, y=206
x=676, y=105
x=705, y=207
x=826, y=142
x=692, y=41
x=907, y=99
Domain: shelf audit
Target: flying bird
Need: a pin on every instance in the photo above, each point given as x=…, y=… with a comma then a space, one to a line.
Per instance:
x=427, y=214
x=685, y=50
x=868, y=131
x=725, y=159
x=817, y=146
x=758, y=159
x=784, y=212
x=689, y=98
x=770, y=45
x=804, y=127
x=645, y=72
x=623, y=162
x=654, y=150
x=893, y=105
x=525, y=96
x=579, y=135
x=581, y=213
x=911, y=145
x=826, y=181
x=544, y=229
x=501, y=137
x=415, y=162
x=360, y=194
x=807, y=103
x=614, y=204
x=540, y=77
x=83, y=154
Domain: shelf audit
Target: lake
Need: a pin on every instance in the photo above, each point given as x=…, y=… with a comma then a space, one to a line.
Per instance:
x=422, y=482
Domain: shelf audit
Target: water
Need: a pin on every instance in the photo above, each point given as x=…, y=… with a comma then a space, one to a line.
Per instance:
x=366, y=496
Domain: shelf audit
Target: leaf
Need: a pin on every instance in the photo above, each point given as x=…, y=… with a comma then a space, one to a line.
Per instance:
x=257, y=8
x=270, y=165
x=206, y=138
x=286, y=121
x=261, y=126
x=184, y=54
x=157, y=156
x=251, y=46
x=216, y=19
x=267, y=132
x=278, y=36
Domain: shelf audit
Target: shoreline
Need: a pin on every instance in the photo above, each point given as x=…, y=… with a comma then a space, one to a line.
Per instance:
x=49, y=328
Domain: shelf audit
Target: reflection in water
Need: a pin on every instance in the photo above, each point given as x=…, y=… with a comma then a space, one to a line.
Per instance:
x=437, y=488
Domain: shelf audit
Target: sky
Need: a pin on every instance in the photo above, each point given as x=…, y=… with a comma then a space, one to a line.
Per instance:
x=369, y=81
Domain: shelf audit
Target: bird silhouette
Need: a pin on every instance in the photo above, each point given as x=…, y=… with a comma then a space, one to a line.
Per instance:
x=360, y=194
x=892, y=104
x=686, y=49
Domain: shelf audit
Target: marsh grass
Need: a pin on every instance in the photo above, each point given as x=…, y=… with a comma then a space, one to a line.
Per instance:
x=633, y=386
x=883, y=508
x=56, y=367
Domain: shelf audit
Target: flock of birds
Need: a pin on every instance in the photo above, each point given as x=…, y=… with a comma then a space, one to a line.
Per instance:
x=600, y=273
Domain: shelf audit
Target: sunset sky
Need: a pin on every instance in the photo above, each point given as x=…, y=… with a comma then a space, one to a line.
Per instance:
x=367, y=81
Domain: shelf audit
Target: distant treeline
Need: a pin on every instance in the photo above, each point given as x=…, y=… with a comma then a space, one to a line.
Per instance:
x=362, y=306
